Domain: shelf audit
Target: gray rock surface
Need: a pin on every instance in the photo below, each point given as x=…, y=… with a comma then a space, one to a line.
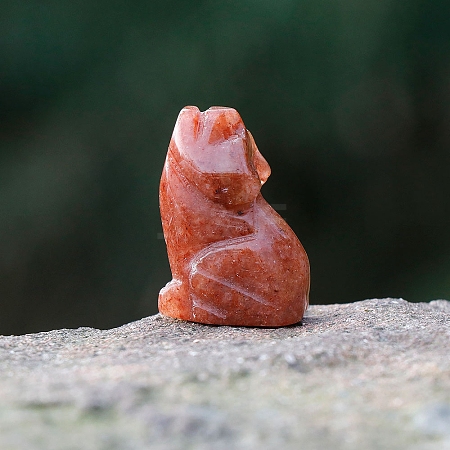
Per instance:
x=368, y=375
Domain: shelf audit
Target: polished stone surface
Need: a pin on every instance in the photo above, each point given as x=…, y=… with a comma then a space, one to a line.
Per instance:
x=234, y=260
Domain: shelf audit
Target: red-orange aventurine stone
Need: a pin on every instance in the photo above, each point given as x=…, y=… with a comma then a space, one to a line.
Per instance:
x=234, y=260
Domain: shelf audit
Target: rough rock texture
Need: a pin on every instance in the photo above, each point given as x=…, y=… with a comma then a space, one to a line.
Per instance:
x=369, y=375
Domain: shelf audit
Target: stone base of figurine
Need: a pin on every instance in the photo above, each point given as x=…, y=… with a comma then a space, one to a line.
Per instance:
x=367, y=375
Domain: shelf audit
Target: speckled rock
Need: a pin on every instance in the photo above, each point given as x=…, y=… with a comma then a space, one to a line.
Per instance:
x=373, y=374
x=234, y=260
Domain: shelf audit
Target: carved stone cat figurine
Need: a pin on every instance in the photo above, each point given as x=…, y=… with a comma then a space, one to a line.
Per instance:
x=234, y=260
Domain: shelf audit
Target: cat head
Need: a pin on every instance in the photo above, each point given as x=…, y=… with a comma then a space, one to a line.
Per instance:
x=219, y=155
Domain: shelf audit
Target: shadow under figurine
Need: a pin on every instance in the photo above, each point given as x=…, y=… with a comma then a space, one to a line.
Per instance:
x=234, y=260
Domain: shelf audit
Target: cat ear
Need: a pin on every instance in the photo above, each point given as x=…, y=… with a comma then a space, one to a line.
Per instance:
x=257, y=160
x=187, y=126
x=227, y=123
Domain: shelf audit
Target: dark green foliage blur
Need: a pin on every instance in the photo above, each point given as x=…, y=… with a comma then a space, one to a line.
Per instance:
x=348, y=101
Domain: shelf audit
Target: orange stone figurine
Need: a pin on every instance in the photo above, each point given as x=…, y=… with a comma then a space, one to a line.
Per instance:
x=234, y=260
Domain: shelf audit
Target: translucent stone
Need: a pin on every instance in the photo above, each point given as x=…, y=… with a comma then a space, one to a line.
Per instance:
x=234, y=260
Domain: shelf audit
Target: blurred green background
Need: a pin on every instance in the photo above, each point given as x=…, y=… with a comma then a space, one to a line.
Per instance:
x=348, y=101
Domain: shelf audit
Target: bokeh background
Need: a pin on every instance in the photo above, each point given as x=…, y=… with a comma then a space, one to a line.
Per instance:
x=348, y=101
